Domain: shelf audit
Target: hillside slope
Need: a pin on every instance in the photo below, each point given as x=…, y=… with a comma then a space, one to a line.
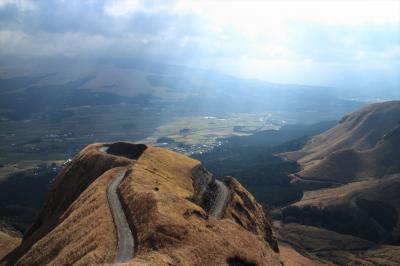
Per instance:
x=369, y=209
x=338, y=249
x=347, y=165
x=364, y=144
x=166, y=197
x=75, y=224
x=360, y=130
x=8, y=241
x=359, y=160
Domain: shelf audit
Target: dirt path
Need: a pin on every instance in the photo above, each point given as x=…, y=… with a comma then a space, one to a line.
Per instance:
x=125, y=245
x=220, y=201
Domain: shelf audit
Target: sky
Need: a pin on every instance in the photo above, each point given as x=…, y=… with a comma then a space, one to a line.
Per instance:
x=332, y=43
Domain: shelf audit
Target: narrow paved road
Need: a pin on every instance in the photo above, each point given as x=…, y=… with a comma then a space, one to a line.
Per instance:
x=125, y=245
x=220, y=201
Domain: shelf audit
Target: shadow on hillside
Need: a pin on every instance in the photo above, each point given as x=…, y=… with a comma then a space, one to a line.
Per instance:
x=239, y=262
x=128, y=150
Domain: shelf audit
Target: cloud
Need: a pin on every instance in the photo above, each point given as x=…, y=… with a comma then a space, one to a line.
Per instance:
x=125, y=8
x=22, y=5
x=291, y=39
x=122, y=7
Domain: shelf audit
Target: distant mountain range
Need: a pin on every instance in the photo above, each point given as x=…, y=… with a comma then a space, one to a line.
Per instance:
x=150, y=84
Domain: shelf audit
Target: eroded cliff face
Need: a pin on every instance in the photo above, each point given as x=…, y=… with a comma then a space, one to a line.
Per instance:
x=247, y=212
x=164, y=198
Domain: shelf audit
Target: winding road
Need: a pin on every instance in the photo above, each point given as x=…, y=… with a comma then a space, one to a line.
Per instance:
x=125, y=240
x=220, y=201
x=126, y=244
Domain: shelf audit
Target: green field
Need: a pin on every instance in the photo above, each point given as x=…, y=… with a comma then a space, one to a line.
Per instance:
x=197, y=134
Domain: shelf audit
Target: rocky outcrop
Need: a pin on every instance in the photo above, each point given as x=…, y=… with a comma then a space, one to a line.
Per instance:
x=201, y=179
x=246, y=211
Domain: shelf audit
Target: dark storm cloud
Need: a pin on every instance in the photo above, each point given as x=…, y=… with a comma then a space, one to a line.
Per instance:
x=147, y=31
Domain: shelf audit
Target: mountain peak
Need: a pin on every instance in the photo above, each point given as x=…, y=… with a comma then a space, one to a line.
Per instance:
x=175, y=210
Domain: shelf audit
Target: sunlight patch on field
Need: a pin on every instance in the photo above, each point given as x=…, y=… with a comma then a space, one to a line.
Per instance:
x=200, y=133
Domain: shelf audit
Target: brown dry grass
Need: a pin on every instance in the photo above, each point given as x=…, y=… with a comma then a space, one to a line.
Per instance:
x=360, y=130
x=382, y=255
x=313, y=239
x=291, y=257
x=348, y=165
x=332, y=248
x=7, y=242
x=86, y=234
x=331, y=196
x=75, y=225
x=385, y=191
x=364, y=146
x=345, y=165
x=173, y=230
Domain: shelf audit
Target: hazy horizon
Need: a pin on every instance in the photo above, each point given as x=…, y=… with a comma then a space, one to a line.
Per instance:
x=350, y=44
